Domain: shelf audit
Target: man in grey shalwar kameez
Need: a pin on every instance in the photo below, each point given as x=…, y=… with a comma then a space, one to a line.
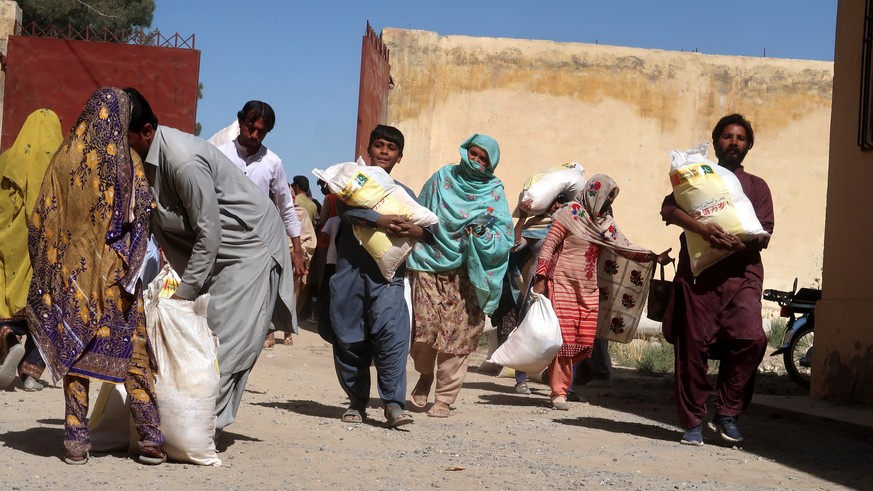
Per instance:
x=224, y=238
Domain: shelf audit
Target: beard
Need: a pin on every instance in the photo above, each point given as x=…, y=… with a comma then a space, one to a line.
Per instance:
x=731, y=156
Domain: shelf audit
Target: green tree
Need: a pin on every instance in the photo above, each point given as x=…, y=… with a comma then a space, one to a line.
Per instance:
x=96, y=14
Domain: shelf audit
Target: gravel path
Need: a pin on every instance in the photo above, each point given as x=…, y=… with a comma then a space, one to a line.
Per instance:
x=288, y=436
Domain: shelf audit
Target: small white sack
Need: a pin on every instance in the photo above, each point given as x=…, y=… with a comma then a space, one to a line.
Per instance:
x=110, y=423
x=535, y=342
x=187, y=380
x=542, y=189
x=371, y=187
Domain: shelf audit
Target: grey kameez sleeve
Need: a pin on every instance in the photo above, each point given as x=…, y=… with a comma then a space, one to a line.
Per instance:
x=195, y=188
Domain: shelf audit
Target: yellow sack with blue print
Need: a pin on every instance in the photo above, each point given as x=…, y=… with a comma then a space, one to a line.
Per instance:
x=709, y=193
x=371, y=187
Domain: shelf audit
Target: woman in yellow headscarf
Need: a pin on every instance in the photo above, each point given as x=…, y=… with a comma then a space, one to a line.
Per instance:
x=21, y=169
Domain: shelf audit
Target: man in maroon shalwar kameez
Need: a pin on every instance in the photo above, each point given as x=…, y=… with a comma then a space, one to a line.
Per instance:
x=717, y=315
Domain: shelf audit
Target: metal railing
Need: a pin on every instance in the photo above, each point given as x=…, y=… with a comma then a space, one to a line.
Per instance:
x=139, y=37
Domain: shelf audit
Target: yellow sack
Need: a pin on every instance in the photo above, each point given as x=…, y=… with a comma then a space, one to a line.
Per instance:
x=371, y=187
x=709, y=193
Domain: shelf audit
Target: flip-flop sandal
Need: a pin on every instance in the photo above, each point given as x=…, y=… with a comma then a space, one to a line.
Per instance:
x=397, y=417
x=73, y=459
x=352, y=416
x=438, y=412
x=288, y=340
x=417, y=397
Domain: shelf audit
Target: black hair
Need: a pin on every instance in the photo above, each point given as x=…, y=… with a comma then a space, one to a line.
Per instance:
x=387, y=133
x=733, y=119
x=140, y=111
x=255, y=110
x=301, y=182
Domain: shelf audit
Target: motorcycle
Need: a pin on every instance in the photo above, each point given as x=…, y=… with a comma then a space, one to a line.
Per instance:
x=799, y=307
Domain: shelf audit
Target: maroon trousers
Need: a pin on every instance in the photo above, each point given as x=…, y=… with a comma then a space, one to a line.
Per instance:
x=722, y=323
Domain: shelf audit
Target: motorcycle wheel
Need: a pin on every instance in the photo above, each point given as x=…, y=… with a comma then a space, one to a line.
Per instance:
x=799, y=347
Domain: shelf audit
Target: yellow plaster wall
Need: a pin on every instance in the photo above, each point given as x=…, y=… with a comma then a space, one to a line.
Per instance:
x=843, y=357
x=619, y=111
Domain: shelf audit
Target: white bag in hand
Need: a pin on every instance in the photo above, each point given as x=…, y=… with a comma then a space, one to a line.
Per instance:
x=535, y=342
x=186, y=383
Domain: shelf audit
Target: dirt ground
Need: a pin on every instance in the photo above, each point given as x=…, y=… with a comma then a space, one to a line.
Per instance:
x=288, y=436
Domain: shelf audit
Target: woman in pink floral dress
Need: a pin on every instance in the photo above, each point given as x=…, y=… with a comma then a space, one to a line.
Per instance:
x=567, y=273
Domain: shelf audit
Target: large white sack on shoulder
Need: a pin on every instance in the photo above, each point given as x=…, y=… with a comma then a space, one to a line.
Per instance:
x=535, y=342
x=711, y=193
x=226, y=134
x=187, y=379
x=542, y=189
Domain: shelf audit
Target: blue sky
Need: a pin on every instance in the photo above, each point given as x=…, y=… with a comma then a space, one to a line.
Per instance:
x=303, y=58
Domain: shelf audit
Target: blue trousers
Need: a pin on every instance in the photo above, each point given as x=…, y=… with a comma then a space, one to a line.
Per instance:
x=370, y=323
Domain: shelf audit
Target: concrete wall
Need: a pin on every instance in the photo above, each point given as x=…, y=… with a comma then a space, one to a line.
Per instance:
x=843, y=356
x=10, y=14
x=619, y=111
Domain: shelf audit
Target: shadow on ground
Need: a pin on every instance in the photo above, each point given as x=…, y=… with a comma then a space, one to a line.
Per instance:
x=834, y=452
x=40, y=441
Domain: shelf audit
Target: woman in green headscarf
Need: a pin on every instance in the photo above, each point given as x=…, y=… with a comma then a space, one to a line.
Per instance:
x=458, y=279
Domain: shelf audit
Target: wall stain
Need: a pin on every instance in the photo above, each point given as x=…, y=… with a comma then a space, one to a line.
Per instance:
x=852, y=380
x=428, y=69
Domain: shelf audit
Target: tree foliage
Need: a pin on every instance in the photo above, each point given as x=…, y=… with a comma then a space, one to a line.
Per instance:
x=96, y=14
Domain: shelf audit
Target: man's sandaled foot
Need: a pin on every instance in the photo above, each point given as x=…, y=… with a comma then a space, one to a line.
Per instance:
x=418, y=397
x=270, y=341
x=288, y=340
x=438, y=411
x=397, y=416
x=352, y=415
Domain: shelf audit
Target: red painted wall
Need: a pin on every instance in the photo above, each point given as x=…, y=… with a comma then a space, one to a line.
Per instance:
x=61, y=74
x=373, y=92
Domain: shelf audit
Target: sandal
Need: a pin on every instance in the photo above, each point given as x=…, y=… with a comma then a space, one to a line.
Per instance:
x=418, y=397
x=438, y=412
x=270, y=341
x=397, y=416
x=287, y=340
x=152, y=456
x=560, y=403
x=352, y=415
x=76, y=459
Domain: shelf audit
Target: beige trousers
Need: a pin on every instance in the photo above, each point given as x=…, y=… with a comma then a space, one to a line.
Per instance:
x=450, y=370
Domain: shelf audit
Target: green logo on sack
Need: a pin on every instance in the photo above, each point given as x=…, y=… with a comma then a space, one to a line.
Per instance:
x=706, y=169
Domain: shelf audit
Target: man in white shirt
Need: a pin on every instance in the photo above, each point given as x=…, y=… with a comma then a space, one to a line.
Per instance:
x=265, y=169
